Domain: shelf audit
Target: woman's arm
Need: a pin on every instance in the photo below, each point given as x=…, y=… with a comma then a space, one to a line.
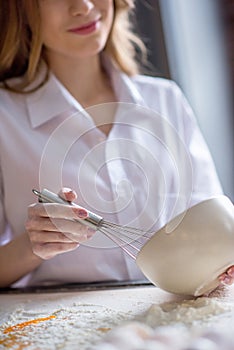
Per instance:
x=16, y=260
x=50, y=230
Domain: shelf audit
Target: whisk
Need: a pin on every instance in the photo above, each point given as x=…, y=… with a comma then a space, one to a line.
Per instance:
x=130, y=239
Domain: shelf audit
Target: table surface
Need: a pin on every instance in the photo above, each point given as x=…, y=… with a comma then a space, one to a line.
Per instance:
x=116, y=305
x=120, y=298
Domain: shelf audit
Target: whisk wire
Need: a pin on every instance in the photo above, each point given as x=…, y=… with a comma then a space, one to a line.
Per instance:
x=126, y=230
x=116, y=240
x=129, y=239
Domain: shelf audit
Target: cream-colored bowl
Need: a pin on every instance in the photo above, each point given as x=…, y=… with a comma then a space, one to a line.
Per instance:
x=187, y=255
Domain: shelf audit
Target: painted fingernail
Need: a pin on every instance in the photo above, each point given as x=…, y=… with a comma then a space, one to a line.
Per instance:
x=82, y=213
x=231, y=271
x=68, y=194
x=225, y=280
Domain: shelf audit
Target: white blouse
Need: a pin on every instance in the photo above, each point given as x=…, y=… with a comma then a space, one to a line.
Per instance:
x=153, y=164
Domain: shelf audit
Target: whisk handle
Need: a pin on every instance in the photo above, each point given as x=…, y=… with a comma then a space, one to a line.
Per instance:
x=93, y=220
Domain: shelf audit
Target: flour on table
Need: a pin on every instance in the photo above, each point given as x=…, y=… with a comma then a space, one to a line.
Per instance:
x=189, y=312
x=76, y=327
x=191, y=324
x=201, y=324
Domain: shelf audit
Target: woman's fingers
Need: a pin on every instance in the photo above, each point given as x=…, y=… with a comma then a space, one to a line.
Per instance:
x=80, y=236
x=227, y=278
x=57, y=218
x=49, y=250
x=43, y=237
x=47, y=244
x=68, y=194
x=56, y=228
x=54, y=225
x=55, y=210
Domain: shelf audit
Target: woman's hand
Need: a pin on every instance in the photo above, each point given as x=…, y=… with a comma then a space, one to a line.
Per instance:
x=51, y=227
x=227, y=277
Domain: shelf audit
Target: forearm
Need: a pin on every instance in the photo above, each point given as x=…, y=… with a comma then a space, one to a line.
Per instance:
x=16, y=260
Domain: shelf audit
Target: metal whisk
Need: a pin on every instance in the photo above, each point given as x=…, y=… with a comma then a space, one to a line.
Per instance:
x=130, y=239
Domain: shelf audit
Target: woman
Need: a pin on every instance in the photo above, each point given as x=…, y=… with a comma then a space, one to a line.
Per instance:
x=75, y=111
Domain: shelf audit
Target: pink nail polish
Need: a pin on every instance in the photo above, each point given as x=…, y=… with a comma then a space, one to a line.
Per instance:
x=67, y=196
x=226, y=280
x=231, y=271
x=82, y=213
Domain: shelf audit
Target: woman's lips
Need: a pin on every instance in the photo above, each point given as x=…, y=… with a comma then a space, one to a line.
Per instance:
x=86, y=28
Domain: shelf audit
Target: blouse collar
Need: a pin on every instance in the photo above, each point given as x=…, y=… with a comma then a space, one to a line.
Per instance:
x=57, y=99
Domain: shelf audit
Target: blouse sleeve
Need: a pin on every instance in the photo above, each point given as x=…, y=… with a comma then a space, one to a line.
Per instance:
x=184, y=138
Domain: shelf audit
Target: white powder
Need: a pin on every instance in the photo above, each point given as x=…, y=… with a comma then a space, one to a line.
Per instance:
x=191, y=324
x=76, y=327
x=137, y=336
x=201, y=311
x=201, y=324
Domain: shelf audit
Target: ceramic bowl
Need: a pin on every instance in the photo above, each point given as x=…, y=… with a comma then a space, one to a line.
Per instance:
x=189, y=258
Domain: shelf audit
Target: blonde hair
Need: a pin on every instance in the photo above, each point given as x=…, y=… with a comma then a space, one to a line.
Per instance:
x=21, y=49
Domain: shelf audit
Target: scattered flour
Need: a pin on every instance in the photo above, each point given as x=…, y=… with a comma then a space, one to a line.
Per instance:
x=200, y=324
x=201, y=311
x=76, y=327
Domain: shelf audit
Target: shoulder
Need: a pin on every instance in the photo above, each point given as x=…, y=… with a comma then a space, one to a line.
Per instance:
x=13, y=107
x=160, y=93
x=9, y=96
x=5, y=95
x=9, y=99
x=151, y=85
x=165, y=97
x=11, y=83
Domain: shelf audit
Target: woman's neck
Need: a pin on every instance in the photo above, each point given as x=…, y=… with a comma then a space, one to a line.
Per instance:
x=89, y=84
x=84, y=78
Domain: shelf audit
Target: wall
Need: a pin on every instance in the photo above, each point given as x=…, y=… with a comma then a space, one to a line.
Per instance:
x=198, y=62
